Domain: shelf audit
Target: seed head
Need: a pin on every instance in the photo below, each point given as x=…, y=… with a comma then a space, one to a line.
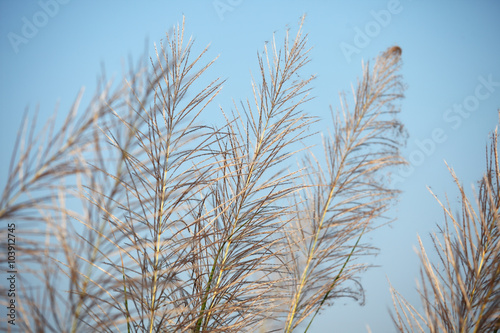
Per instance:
x=394, y=51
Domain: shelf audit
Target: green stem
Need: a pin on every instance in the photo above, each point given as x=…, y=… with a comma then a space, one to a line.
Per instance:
x=336, y=279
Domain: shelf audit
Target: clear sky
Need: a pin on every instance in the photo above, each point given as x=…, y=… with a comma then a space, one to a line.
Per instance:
x=451, y=55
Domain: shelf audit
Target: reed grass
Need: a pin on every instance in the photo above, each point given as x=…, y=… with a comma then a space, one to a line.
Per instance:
x=461, y=291
x=138, y=217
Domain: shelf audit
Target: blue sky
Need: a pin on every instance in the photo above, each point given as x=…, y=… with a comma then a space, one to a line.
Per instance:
x=451, y=66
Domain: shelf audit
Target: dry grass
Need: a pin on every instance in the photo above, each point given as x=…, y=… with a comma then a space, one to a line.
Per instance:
x=461, y=292
x=136, y=218
x=341, y=202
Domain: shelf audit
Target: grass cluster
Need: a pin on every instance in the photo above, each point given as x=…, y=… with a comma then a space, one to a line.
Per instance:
x=135, y=216
x=461, y=292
